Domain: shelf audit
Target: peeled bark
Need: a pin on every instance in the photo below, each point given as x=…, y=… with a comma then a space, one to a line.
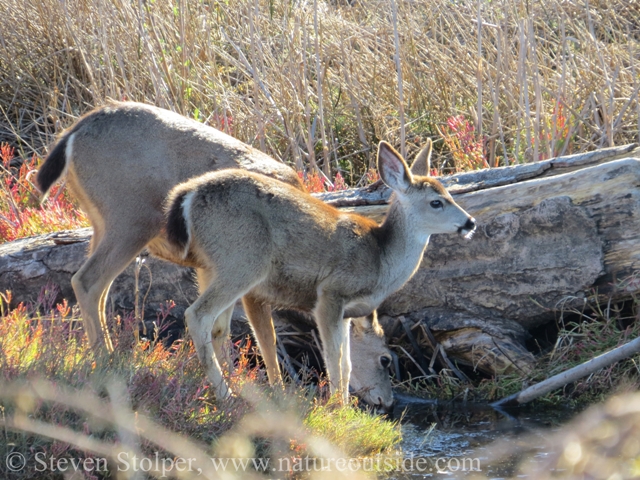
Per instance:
x=580, y=371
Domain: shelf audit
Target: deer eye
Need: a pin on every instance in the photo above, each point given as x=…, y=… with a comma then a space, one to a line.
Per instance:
x=385, y=361
x=436, y=204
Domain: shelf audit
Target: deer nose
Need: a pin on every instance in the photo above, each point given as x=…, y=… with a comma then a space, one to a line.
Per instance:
x=468, y=227
x=385, y=408
x=471, y=224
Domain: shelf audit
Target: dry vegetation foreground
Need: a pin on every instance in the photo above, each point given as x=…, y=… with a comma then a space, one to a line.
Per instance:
x=59, y=401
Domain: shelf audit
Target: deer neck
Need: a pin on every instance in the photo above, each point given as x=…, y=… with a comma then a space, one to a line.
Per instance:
x=402, y=245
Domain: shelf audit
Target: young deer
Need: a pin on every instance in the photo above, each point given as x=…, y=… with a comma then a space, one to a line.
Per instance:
x=121, y=161
x=261, y=239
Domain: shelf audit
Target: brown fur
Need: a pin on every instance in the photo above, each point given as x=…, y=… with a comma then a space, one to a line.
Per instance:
x=258, y=236
x=121, y=161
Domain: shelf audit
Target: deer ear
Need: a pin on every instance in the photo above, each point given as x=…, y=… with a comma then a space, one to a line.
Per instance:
x=359, y=325
x=367, y=325
x=422, y=163
x=392, y=168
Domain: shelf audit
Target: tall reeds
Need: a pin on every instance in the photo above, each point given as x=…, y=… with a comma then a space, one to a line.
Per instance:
x=317, y=83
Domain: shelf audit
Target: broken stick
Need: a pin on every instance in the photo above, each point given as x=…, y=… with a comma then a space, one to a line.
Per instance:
x=571, y=375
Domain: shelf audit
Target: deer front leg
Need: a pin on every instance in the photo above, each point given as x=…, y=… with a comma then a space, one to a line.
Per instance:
x=334, y=333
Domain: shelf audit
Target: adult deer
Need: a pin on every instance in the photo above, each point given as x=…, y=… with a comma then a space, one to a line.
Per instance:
x=263, y=240
x=121, y=160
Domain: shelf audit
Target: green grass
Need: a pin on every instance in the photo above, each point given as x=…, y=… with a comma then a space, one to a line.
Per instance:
x=355, y=431
x=49, y=377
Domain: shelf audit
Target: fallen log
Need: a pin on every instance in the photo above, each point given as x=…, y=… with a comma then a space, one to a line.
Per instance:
x=49, y=261
x=542, y=245
x=545, y=240
x=378, y=193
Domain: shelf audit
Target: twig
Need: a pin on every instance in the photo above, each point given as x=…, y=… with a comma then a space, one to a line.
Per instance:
x=286, y=360
x=414, y=344
x=514, y=363
x=319, y=81
x=437, y=347
x=139, y=310
x=414, y=361
x=396, y=366
x=319, y=347
x=479, y=74
x=461, y=376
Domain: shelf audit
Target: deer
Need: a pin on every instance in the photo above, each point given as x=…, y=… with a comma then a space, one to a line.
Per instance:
x=370, y=355
x=261, y=239
x=120, y=162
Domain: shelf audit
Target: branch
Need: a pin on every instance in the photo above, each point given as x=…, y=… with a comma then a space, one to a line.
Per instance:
x=571, y=375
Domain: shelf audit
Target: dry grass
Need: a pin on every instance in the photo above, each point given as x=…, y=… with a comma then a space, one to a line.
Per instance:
x=315, y=83
x=581, y=335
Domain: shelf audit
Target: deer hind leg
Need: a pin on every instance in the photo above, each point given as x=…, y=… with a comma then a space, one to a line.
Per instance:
x=259, y=315
x=220, y=338
x=222, y=326
x=96, y=239
x=334, y=333
x=110, y=256
x=215, y=302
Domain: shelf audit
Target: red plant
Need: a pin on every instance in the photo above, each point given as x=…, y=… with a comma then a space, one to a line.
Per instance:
x=20, y=212
x=557, y=132
x=467, y=149
x=372, y=176
x=223, y=122
x=338, y=184
x=315, y=182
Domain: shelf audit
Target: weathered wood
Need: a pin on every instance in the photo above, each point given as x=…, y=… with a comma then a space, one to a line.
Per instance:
x=490, y=344
x=28, y=264
x=571, y=375
x=378, y=193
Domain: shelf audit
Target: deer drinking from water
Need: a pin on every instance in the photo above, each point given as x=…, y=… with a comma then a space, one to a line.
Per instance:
x=262, y=239
x=121, y=160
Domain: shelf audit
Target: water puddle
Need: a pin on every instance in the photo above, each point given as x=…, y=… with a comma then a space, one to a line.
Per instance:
x=462, y=441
